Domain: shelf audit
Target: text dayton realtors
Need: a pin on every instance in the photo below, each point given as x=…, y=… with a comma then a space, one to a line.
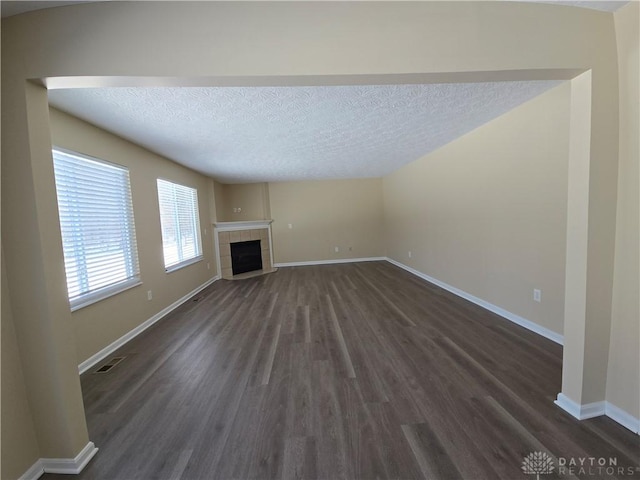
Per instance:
x=593, y=466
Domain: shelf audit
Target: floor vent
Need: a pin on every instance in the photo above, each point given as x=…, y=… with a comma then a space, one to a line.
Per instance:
x=109, y=365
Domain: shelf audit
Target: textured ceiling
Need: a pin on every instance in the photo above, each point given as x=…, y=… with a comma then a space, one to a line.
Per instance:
x=253, y=134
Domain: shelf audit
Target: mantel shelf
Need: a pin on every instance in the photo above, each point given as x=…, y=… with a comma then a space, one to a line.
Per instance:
x=246, y=225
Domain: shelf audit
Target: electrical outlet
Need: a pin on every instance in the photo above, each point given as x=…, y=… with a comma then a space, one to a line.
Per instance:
x=208, y=266
x=537, y=295
x=149, y=295
x=409, y=253
x=337, y=249
x=290, y=226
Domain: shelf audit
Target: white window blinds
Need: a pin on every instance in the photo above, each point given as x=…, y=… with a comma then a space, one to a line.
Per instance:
x=180, y=223
x=97, y=225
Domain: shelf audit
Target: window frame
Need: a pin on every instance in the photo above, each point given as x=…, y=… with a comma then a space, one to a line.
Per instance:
x=197, y=227
x=89, y=297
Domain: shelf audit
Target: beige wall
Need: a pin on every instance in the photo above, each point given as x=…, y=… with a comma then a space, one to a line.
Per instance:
x=221, y=207
x=326, y=214
x=211, y=194
x=487, y=213
x=623, y=379
x=19, y=446
x=254, y=43
x=250, y=198
x=100, y=324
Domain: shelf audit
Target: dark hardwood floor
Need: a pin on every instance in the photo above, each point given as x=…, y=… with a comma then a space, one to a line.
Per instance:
x=351, y=371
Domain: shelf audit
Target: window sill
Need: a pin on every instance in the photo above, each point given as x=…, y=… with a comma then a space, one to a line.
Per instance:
x=103, y=294
x=186, y=263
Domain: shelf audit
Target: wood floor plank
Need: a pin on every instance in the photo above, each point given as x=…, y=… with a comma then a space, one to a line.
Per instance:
x=340, y=338
x=330, y=441
x=365, y=350
x=272, y=353
x=300, y=422
x=397, y=457
x=360, y=434
x=180, y=465
x=390, y=303
x=306, y=318
x=428, y=471
x=299, y=459
x=350, y=371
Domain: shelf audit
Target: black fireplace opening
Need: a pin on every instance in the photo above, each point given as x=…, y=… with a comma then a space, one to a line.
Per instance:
x=246, y=256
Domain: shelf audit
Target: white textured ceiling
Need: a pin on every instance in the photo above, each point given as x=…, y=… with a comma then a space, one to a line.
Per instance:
x=253, y=134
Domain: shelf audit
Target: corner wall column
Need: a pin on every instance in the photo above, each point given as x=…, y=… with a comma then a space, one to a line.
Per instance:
x=43, y=323
x=586, y=329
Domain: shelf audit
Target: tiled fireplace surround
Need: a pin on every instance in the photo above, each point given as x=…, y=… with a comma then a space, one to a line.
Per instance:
x=232, y=232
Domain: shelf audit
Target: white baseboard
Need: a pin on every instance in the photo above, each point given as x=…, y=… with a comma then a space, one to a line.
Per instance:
x=581, y=412
x=71, y=466
x=523, y=322
x=35, y=472
x=623, y=418
x=597, y=409
x=328, y=262
x=109, y=349
x=569, y=406
x=592, y=410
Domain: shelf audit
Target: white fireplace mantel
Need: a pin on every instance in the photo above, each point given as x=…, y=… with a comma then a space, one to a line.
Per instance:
x=247, y=225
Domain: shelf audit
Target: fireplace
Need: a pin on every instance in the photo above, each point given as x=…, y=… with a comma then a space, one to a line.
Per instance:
x=246, y=256
x=255, y=232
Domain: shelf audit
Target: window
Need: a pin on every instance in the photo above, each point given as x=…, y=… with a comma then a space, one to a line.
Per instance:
x=180, y=223
x=98, y=232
